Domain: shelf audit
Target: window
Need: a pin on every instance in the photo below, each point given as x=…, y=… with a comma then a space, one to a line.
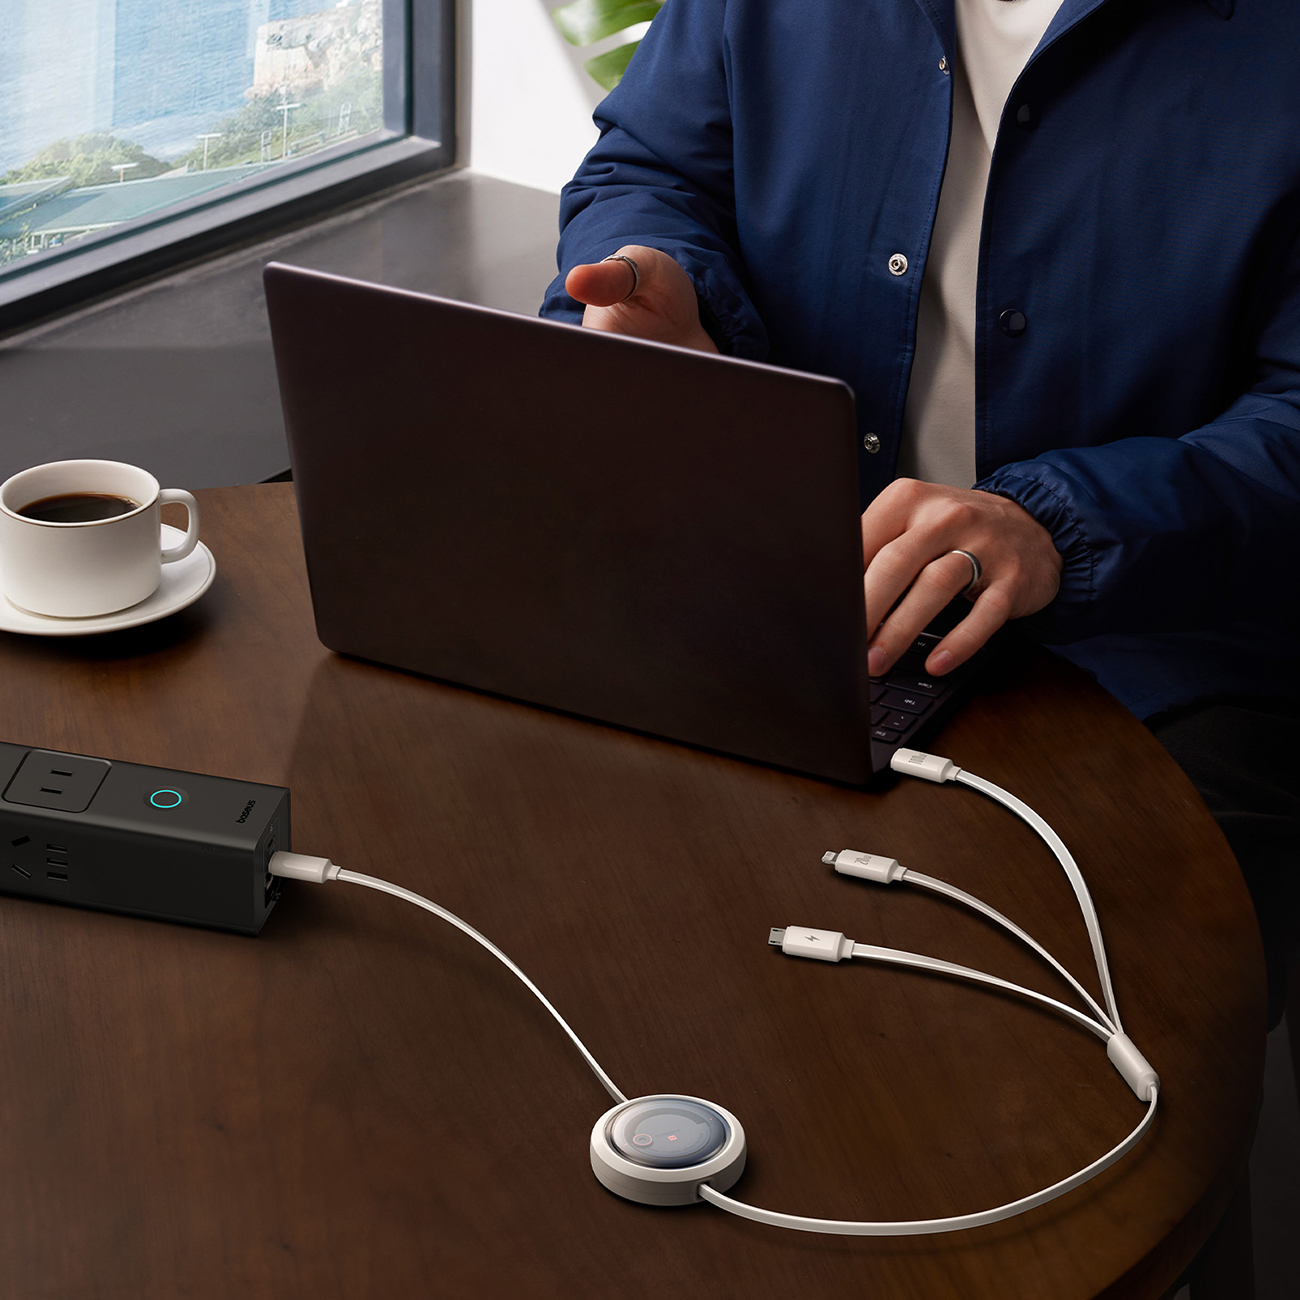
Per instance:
x=136, y=133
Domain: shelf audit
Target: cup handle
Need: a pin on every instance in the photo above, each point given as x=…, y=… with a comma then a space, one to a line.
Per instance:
x=171, y=554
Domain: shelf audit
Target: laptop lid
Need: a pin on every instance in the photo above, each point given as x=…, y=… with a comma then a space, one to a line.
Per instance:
x=636, y=533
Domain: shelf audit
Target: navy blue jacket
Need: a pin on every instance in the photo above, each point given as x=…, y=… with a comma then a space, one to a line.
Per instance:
x=1142, y=214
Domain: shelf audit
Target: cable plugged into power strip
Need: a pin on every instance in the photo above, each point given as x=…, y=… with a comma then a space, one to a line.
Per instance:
x=180, y=846
x=674, y=1149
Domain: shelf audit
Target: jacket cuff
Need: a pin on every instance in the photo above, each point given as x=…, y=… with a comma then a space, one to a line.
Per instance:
x=1067, y=617
x=726, y=314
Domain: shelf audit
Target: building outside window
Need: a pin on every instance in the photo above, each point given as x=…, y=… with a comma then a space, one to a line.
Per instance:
x=118, y=114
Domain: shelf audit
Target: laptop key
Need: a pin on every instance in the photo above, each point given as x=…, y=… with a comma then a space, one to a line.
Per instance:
x=884, y=735
x=896, y=721
x=913, y=685
x=905, y=703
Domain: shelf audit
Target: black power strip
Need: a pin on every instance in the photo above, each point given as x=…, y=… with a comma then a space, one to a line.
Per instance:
x=148, y=841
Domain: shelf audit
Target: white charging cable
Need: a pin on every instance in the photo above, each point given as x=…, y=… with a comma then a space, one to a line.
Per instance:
x=885, y=871
x=930, y=767
x=919, y=1227
x=302, y=866
x=831, y=945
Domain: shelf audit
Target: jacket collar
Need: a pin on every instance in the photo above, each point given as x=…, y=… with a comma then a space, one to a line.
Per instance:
x=942, y=14
x=943, y=17
x=1071, y=11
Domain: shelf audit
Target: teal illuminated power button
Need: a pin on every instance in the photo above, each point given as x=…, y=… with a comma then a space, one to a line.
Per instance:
x=167, y=798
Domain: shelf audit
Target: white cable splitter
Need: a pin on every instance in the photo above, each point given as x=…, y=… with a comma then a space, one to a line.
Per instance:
x=673, y=1149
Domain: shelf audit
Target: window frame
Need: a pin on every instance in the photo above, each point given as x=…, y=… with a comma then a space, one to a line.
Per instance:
x=419, y=105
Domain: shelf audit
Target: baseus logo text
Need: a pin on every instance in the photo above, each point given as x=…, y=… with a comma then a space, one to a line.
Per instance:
x=248, y=808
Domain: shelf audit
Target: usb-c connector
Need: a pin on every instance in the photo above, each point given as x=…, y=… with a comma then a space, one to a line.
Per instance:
x=302, y=866
x=929, y=767
x=866, y=866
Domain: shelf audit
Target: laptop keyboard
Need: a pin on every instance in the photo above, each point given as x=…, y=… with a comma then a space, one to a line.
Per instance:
x=905, y=700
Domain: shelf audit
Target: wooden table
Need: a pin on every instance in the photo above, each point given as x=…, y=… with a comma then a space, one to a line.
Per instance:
x=362, y=1103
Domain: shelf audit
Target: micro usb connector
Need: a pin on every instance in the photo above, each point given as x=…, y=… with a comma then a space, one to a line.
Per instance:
x=804, y=941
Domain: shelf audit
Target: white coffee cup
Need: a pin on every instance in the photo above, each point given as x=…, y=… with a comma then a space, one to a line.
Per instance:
x=95, y=566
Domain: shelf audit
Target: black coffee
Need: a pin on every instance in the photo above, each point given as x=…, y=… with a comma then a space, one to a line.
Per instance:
x=78, y=508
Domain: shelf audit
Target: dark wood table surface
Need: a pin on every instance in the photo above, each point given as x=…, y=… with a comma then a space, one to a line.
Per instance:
x=360, y=1102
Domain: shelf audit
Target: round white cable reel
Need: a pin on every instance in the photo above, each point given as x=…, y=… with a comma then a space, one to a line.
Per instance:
x=658, y=1149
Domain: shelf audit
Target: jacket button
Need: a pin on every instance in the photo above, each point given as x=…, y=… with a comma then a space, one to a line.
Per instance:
x=897, y=264
x=1026, y=117
x=943, y=65
x=1012, y=323
x=870, y=443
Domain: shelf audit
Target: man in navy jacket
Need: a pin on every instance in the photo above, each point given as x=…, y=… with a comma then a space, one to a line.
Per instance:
x=774, y=169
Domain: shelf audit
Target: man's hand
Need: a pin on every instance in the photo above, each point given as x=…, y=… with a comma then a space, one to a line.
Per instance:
x=908, y=532
x=663, y=308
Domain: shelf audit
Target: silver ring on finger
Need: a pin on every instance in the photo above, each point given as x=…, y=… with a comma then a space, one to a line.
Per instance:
x=977, y=571
x=636, y=274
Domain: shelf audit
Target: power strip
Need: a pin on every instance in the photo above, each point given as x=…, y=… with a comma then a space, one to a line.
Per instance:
x=148, y=841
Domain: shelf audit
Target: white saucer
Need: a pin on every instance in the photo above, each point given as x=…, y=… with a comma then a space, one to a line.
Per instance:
x=182, y=584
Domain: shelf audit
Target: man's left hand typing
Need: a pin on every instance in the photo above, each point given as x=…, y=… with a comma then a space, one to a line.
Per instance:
x=908, y=535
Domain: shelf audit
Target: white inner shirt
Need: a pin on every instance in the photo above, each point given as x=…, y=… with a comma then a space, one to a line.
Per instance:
x=994, y=41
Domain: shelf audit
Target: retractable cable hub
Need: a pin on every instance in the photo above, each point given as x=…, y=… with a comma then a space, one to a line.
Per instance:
x=674, y=1149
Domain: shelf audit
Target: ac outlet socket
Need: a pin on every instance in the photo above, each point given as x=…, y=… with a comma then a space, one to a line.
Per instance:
x=48, y=779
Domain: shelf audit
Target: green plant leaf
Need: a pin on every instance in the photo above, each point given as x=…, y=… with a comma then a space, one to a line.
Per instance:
x=607, y=69
x=586, y=21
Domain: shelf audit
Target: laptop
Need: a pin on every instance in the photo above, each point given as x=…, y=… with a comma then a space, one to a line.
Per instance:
x=635, y=533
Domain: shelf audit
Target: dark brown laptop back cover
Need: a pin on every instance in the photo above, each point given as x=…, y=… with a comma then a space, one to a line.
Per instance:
x=632, y=532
